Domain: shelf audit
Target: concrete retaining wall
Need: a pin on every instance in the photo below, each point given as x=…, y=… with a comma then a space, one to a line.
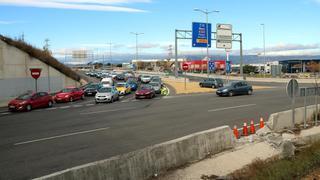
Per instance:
x=281, y=120
x=142, y=164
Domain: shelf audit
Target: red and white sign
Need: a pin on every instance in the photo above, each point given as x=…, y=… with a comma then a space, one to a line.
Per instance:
x=185, y=66
x=35, y=72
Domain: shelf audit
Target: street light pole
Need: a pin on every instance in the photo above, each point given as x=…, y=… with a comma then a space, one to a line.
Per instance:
x=110, y=53
x=206, y=12
x=264, y=48
x=136, y=34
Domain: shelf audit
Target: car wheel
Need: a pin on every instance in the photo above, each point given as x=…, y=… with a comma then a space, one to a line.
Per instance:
x=214, y=86
x=231, y=94
x=50, y=103
x=201, y=85
x=111, y=101
x=71, y=99
x=29, y=107
x=249, y=92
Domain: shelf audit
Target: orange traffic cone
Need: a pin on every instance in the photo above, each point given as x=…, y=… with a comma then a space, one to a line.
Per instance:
x=252, y=128
x=261, y=123
x=245, y=129
x=235, y=132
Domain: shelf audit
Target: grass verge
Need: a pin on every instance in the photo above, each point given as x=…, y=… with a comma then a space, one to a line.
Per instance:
x=305, y=161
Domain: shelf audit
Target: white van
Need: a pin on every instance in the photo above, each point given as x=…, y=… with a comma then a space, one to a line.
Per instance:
x=107, y=82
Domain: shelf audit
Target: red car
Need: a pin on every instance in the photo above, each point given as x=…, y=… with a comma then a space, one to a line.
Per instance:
x=29, y=101
x=145, y=91
x=69, y=94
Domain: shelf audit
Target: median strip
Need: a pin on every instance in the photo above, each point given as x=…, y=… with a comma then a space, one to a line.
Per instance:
x=60, y=136
x=234, y=107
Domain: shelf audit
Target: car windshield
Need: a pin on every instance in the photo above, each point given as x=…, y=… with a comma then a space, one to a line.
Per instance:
x=145, y=76
x=66, y=90
x=94, y=86
x=121, y=85
x=24, y=96
x=104, y=90
x=154, y=84
x=230, y=84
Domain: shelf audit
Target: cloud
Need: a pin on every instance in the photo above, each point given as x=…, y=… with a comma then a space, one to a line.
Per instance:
x=10, y=22
x=287, y=49
x=91, y=5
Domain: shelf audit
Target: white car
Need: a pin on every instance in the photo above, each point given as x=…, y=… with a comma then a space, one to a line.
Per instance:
x=107, y=82
x=145, y=78
x=107, y=94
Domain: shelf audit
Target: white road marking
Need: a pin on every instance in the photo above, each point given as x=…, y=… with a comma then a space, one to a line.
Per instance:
x=49, y=109
x=135, y=100
x=113, y=110
x=89, y=104
x=5, y=113
x=234, y=107
x=64, y=107
x=78, y=105
x=124, y=101
x=61, y=136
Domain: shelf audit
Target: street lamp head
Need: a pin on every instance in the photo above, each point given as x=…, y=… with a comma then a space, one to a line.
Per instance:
x=216, y=11
x=196, y=9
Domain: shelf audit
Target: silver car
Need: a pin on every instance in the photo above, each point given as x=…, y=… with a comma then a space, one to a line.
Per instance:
x=145, y=78
x=107, y=94
x=156, y=86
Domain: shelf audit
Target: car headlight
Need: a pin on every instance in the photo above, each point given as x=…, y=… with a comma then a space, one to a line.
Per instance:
x=225, y=90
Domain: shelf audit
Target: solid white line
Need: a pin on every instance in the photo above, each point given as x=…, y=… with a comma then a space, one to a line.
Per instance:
x=234, y=107
x=5, y=113
x=114, y=110
x=125, y=101
x=64, y=107
x=61, y=136
x=53, y=108
x=89, y=104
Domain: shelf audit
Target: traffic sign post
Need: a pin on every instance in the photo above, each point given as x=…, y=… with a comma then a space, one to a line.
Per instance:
x=35, y=73
x=292, y=92
x=224, y=36
x=185, y=68
x=211, y=66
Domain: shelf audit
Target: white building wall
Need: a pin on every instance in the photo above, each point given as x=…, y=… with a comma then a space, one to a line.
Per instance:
x=15, y=77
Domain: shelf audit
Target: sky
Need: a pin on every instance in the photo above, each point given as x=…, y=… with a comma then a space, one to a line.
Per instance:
x=291, y=26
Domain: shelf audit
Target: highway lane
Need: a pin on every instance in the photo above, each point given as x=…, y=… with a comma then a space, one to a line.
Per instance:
x=41, y=142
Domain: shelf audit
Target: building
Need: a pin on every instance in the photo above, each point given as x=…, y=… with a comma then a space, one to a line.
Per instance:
x=300, y=66
x=16, y=59
x=156, y=64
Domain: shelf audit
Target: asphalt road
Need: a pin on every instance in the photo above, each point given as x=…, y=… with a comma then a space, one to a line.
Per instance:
x=48, y=140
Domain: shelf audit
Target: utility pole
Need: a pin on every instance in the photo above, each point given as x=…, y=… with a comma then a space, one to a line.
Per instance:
x=137, y=50
x=110, y=53
x=264, y=49
x=206, y=12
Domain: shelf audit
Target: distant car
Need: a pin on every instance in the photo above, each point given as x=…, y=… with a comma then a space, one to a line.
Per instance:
x=156, y=86
x=145, y=78
x=211, y=82
x=120, y=77
x=108, y=81
x=69, y=94
x=235, y=88
x=123, y=88
x=29, y=101
x=133, y=85
x=107, y=94
x=156, y=79
x=146, y=91
x=92, y=89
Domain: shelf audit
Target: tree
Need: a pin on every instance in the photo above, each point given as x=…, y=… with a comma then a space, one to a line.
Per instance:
x=247, y=69
x=119, y=65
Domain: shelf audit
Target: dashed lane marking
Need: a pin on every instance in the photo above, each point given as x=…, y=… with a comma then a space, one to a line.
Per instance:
x=60, y=136
x=233, y=107
x=112, y=110
x=89, y=104
x=64, y=107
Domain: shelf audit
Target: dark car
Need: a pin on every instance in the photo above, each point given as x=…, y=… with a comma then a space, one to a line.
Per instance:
x=92, y=89
x=144, y=92
x=211, y=83
x=29, y=101
x=120, y=77
x=133, y=85
x=235, y=88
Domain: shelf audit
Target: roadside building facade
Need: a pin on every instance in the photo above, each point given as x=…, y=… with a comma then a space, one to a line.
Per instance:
x=16, y=60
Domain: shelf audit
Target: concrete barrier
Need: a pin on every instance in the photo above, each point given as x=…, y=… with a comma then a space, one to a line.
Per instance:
x=281, y=120
x=144, y=163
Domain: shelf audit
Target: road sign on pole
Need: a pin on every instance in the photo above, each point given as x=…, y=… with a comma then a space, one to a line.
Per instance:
x=293, y=91
x=211, y=66
x=224, y=36
x=35, y=73
x=200, y=36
